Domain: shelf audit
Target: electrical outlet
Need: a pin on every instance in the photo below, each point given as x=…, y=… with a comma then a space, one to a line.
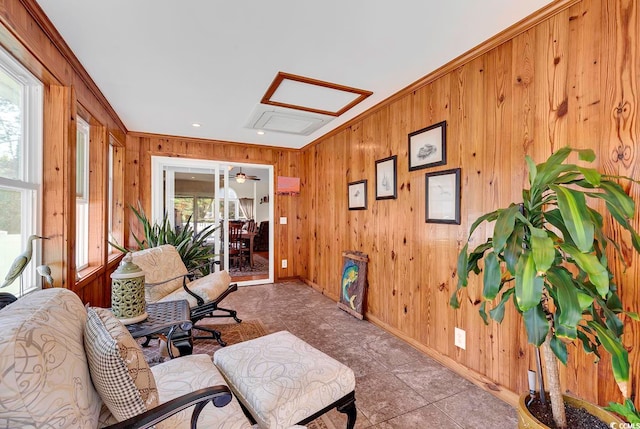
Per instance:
x=283, y=220
x=460, y=338
x=284, y=263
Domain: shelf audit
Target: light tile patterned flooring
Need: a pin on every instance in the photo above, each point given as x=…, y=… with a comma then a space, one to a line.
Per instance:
x=397, y=386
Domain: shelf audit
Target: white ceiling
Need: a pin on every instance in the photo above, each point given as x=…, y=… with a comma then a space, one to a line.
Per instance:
x=165, y=64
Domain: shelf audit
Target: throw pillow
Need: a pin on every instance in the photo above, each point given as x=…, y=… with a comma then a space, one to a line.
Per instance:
x=119, y=371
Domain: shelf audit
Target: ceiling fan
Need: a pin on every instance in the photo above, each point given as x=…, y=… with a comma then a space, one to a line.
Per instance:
x=241, y=177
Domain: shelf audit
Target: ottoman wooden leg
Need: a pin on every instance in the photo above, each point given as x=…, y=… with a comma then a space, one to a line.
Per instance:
x=349, y=408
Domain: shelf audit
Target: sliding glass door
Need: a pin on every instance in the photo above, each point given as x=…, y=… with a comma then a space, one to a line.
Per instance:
x=207, y=193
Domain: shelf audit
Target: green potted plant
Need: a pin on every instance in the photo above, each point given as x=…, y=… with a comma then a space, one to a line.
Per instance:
x=548, y=256
x=193, y=248
x=626, y=410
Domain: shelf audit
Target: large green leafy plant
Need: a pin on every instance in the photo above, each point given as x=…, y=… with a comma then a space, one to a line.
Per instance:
x=193, y=248
x=548, y=256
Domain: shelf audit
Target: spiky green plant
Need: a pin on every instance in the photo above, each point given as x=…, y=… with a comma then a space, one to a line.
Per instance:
x=548, y=255
x=193, y=250
x=626, y=410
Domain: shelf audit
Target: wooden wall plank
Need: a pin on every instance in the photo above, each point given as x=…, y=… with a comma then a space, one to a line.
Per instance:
x=58, y=182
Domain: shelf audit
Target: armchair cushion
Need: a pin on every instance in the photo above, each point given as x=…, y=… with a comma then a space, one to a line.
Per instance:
x=119, y=371
x=45, y=379
x=186, y=374
x=208, y=288
x=159, y=264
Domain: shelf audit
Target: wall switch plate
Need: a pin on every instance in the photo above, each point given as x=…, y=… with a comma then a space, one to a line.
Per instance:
x=460, y=338
x=283, y=220
x=284, y=263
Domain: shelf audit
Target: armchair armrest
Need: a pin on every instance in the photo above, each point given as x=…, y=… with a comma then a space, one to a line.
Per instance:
x=192, y=276
x=218, y=395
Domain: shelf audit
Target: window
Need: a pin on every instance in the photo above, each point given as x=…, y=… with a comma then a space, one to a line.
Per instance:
x=200, y=219
x=235, y=211
x=115, y=196
x=21, y=104
x=110, y=196
x=82, y=194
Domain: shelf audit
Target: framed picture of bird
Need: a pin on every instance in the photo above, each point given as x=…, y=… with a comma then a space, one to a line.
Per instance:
x=353, y=287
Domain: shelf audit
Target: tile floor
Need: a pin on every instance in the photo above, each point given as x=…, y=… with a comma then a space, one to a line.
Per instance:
x=397, y=386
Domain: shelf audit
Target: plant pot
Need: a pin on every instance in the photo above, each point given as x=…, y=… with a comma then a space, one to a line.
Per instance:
x=527, y=421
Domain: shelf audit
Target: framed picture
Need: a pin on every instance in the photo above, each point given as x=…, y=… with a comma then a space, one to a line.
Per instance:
x=442, y=197
x=386, y=178
x=428, y=146
x=357, y=194
x=354, y=283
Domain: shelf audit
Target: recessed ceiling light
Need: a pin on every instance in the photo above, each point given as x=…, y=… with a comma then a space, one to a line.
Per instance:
x=195, y=124
x=260, y=132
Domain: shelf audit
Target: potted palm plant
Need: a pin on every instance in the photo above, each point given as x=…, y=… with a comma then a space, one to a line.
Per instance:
x=548, y=255
x=193, y=248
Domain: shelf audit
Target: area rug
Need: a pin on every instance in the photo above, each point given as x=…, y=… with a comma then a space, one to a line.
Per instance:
x=260, y=267
x=232, y=333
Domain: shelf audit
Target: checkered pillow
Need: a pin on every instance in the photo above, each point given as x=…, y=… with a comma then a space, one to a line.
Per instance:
x=119, y=371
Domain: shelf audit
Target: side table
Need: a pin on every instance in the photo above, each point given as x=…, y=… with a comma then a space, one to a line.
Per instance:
x=166, y=318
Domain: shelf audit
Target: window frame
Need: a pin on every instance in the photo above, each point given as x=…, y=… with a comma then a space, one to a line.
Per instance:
x=29, y=181
x=82, y=196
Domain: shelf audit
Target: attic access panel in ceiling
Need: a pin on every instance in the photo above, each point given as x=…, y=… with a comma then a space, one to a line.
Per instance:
x=312, y=95
x=282, y=120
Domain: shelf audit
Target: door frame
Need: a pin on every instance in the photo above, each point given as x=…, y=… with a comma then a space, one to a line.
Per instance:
x=160, y=163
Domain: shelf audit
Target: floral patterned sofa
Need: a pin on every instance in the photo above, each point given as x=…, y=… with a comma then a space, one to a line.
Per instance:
x=67, y=366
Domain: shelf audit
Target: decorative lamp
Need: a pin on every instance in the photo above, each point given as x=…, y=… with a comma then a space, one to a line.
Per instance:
x=127, y=292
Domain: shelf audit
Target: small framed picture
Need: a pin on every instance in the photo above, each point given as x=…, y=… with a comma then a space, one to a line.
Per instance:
x=357, y=195
x=428, y=146
x=442, y=197
x=386, y=178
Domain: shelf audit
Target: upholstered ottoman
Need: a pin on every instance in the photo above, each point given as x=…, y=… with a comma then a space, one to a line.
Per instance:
x=281, y=380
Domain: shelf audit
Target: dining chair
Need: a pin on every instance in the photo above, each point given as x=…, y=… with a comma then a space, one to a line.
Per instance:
x=238, y=252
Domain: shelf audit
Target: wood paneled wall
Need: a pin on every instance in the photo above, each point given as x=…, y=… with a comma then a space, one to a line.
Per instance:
x=141, y=147
x=571, y=79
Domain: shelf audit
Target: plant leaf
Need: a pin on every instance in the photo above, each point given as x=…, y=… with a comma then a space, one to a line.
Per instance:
x=587, y=345
x=489, y=217
x=573, y=208
x=497, y=313
x=491, y=277
x=566, y=298
x=628, y=410
x=513, y=249
x=598, y=274
x=586, y=154
x=542, y=250
x=559, y=349
x=504, y=227
x=536, y=324
x=619, y=355
x=533, y=171
x=617, y=194
x=483, y=312
x=558, y=157
x=463, y=274
x=619, y=217
x=591, y=175
x=528, y=283
x=554, y=217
